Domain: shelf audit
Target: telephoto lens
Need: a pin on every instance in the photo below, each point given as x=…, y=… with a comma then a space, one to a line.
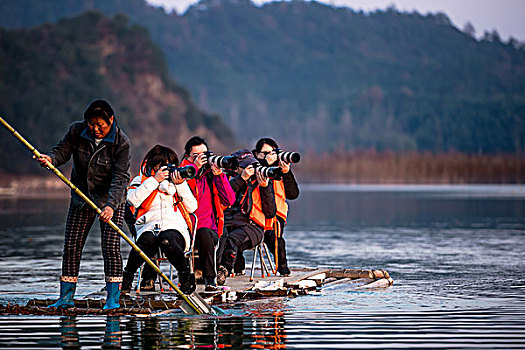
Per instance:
x=271, y=172
x=289, y=157
x=186, y=172
x=225, y=162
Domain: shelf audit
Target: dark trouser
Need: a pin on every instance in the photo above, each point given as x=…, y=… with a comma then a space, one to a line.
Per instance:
x=171, y=243
x=235, y=243
x=240, y=263
x=269, y=240
x=205, y=241
x=78, y=224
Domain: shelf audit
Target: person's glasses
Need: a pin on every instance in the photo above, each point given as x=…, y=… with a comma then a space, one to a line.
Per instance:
x=267, y=153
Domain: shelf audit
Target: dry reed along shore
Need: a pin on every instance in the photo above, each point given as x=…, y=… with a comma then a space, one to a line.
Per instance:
x=411, y=168
x=343, y=168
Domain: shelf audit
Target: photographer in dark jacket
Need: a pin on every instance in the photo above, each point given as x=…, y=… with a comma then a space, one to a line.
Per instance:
x=285, y=189
x=246, y=219
x=101, y=161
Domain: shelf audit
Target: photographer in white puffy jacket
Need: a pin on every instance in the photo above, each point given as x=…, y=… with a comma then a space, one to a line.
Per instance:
x=159, y=222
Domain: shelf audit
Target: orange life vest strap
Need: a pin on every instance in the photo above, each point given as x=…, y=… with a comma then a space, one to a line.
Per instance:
x=178, y=204
x=146, y=204
x=280, y=199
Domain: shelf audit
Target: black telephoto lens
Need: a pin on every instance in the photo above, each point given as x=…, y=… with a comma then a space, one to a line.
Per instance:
x=186, y=172
x=289, y=157
x=271, y=172
x=224, y=162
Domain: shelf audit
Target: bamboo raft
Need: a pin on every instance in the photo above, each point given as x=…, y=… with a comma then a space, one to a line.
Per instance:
x=300, y=282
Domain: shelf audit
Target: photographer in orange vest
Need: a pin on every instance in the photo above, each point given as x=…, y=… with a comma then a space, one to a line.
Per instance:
x=285, y=189
x=162, y=199
x=249, y=216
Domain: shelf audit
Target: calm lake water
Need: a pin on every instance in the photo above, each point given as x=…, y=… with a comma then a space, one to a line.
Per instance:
x=456, y=254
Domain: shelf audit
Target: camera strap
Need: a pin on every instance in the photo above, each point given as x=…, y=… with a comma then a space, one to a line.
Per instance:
x=246, y=202
x=178, y=203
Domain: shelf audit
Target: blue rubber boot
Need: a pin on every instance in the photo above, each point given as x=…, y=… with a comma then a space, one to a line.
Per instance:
x=67, y=291
x=112, y=301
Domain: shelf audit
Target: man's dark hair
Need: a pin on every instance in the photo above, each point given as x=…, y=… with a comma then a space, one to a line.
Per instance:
x=99, y=108
x=265, y=140
x=194, y=141
x=158, y=155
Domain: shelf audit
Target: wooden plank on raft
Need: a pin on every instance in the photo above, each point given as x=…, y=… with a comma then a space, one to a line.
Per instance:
x=125, y=303
x=350, y=273
x=302, y=281
x=380, y=283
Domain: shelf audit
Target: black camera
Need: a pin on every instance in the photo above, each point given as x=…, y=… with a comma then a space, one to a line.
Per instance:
x=186, y=172
x=288, y=157
x=224, y=162
x=271, y=172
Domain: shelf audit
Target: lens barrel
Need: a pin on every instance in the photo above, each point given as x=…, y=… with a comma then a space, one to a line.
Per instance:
x=224, y=162
x=270, y=172
x=186, y=172
x=289, y=157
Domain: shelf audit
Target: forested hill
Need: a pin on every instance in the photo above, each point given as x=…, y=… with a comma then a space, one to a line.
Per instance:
x=323, y=78
x=51, y=73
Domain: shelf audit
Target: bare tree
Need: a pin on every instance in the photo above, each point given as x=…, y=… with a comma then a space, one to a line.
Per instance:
x=469, y=29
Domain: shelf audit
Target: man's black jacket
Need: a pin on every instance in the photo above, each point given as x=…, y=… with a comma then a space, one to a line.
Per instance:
x=100, y=172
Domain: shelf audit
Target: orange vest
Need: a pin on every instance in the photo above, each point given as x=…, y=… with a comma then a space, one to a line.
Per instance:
x=146, y=204
x=219, y=208
x=280, y=199
x=256, y=212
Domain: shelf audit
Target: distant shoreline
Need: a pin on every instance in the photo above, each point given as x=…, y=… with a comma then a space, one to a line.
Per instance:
x=347, y=170
x=411, y=168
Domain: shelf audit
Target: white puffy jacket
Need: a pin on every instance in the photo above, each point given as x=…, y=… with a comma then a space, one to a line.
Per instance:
x=161, y=211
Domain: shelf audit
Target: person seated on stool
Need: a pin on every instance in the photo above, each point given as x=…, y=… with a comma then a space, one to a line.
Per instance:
x=285, y=189
x=155, y=194
x=213, y=192
x=246, y=220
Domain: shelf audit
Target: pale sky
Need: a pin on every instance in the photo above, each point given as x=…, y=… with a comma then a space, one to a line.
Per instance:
x=506, y=16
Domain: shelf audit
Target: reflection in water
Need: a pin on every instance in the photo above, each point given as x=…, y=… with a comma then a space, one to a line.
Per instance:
x=69, y=338
x=112, y=335
x=255, y=331
x=261, y=329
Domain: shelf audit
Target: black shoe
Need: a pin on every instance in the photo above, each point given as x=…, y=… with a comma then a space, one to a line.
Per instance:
x=147, y=285
x=209, y=281
x=211, y=288
x=284, y=271
x=127, y=281
x=222, y=273
x=187, y=282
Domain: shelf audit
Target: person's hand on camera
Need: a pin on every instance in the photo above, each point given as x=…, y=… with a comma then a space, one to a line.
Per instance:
x=263, y=180
x=106, y=214
x=44, y=160
x=176, y=178
x=162, y=174
x=247, y=172
x=285, y=166
x=216, y=170
x=201, y=160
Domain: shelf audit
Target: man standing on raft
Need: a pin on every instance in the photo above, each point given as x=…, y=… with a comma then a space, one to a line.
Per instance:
x=101, y=162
